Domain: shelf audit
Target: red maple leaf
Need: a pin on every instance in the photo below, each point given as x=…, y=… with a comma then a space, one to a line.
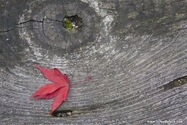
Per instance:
x=58, y=89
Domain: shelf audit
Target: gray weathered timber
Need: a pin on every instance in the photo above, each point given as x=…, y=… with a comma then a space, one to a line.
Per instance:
x=131, y=48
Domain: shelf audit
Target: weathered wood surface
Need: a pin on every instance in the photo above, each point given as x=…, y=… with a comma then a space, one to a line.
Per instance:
x=131, y=48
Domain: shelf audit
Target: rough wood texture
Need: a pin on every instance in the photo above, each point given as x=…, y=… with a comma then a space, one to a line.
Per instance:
x=131, y=48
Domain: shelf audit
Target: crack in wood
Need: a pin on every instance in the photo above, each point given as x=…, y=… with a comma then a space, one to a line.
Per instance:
x=31, y=20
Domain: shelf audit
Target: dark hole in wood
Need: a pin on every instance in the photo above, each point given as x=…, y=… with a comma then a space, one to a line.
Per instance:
x=175, y=83
x=62, y=113
x=72, y=23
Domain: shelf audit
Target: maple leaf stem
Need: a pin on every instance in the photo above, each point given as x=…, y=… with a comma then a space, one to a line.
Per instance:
x=81, y=81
